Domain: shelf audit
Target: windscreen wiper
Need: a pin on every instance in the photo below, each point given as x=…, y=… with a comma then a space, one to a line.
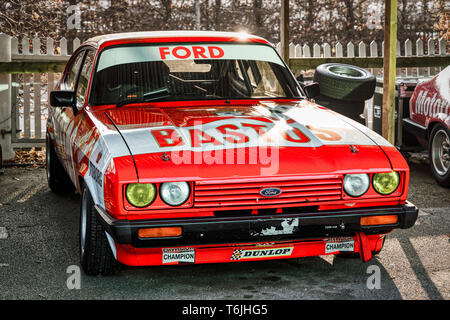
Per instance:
x=155, y=95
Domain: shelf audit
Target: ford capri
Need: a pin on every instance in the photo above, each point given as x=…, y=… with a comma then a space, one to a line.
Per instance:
x=202, y=147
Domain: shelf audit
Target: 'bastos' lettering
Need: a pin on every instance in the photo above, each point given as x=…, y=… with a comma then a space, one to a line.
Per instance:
x=220, y=135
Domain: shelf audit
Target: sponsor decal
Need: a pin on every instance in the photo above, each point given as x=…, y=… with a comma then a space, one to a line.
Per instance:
x=183, y=255
x=231, y=132
x=430, y=104
x=192, y=52
x=259, y=253
x=338, y=239
x=96, y=174
x=287, y=226
x=270, y=192
x=145, y=53
x=334, y=245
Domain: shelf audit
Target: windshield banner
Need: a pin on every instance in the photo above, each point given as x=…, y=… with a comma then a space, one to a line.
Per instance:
x=123, y=55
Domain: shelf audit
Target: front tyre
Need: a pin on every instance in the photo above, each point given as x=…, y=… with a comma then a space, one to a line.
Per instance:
x=95, y=253
x=439, y=152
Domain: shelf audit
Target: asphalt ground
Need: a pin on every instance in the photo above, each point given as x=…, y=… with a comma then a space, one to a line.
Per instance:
x=39, y=253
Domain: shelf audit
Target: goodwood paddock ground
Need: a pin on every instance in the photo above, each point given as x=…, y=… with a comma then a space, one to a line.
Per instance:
x=39, y=246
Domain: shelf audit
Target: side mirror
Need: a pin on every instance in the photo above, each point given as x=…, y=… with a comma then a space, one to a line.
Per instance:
x=312, y=90
x=62, y=98
x=301, y=81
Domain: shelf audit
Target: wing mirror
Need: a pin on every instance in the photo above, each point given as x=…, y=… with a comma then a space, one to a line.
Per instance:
x=312, y=90
x=62, y=98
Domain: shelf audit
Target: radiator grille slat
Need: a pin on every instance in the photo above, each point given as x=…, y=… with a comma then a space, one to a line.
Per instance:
x=235, y=193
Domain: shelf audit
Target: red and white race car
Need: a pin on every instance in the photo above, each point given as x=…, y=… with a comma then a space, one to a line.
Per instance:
x=429, y=121
x=201, y=147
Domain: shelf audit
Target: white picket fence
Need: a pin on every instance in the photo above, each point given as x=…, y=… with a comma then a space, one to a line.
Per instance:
x=30, y=92
x=361, y=49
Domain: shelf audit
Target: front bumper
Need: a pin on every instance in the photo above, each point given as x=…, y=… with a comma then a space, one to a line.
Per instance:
x=258, y=228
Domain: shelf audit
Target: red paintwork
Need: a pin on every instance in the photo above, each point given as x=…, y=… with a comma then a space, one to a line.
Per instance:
x=325, y=162
x=430, y=103
x=222, y=253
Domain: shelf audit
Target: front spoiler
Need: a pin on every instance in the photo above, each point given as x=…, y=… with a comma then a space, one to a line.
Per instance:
x=258, y=228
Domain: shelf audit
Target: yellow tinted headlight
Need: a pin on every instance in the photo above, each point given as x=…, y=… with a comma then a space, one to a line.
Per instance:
x=140, y=194
x=386, y=183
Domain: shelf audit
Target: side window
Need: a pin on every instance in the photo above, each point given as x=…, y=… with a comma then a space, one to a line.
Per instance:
x=84, y=78
x=71, y=78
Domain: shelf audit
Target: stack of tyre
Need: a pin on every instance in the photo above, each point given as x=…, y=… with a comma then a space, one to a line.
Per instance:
x=344, y=88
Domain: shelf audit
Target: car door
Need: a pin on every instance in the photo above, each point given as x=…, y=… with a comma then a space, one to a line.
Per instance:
x=74, y=118
x=67, y=118
x=61, y=116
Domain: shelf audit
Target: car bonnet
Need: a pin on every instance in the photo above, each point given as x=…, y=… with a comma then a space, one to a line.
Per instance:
x=301, y=131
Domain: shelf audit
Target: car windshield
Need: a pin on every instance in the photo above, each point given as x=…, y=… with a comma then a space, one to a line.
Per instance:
x=190, y=72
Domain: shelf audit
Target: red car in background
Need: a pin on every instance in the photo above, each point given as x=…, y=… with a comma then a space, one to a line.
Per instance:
x=430, y=122
x=201, y=147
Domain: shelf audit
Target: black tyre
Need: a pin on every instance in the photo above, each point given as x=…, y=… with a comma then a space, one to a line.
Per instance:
x=96, y=256
x=350, y=109
x=345, y=82
x=58, y=180
x=439, y=152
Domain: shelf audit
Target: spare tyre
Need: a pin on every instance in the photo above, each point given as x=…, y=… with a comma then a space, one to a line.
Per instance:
x=345, y=82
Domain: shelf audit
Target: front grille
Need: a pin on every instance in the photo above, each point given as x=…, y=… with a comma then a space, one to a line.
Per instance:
x=246, y=192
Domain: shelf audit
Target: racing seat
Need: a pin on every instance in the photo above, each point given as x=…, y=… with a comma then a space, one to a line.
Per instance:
x=129, y=81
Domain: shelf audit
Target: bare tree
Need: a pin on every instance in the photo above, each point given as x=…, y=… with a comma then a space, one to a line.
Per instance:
x=311, y=21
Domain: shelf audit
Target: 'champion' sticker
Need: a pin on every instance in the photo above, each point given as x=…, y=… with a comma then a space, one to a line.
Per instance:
x=261, y=253
x=346, y=246
x=183, y=255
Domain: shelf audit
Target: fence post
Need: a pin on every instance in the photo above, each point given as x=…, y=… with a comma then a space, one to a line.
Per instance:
x=5, y=100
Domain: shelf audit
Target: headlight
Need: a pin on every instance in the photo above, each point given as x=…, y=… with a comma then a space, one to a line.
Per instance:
x=174, y=193
x=386, y=183
x=140, y=194
x=356, y=185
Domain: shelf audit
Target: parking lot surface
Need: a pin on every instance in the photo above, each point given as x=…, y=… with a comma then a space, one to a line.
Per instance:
x=39, y=251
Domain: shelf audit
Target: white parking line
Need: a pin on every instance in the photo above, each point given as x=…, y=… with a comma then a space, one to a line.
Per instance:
x=3, y=233
x=401, y=272
x=423, y=213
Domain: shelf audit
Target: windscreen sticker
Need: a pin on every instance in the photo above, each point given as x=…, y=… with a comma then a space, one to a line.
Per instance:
x=191, y=52
x=146, y=53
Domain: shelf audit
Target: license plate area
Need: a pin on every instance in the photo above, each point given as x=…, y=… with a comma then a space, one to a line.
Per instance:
x=339, y=245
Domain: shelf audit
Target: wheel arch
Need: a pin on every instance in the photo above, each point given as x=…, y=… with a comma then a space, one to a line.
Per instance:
x=430, y=128
x=80, y=182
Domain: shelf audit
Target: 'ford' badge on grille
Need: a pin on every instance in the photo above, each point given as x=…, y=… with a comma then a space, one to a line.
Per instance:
x=270, y=192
